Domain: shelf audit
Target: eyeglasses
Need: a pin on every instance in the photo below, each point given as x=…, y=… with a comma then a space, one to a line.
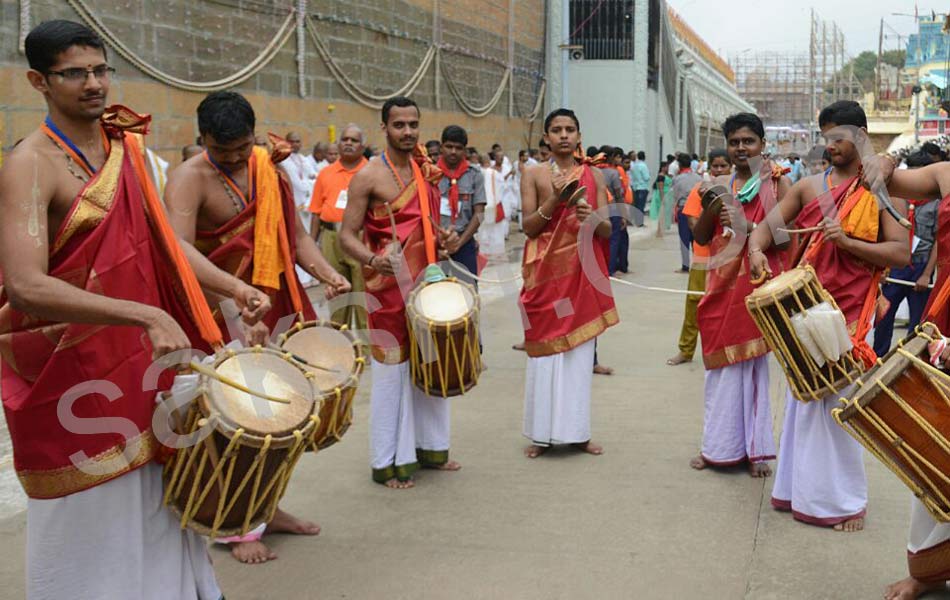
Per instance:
x=80, y=74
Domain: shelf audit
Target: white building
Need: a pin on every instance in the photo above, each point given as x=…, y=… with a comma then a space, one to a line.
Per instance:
x=638, y=77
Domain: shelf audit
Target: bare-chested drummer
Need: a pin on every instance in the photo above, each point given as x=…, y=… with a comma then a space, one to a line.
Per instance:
x=230, y=202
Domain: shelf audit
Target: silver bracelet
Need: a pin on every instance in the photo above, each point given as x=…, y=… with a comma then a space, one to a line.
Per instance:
x=542, y=215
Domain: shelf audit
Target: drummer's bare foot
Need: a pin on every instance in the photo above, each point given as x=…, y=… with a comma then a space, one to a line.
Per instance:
x=284, y=522
x=534, y=451
x=449, y=466
x=252, y=553
x=679, y=359
x=856, y=524
x=395, y=484
x=698, y=462
x=590, y=447
x=602, y=370
x=518, y=346
x=910, y=589
x=760, y=469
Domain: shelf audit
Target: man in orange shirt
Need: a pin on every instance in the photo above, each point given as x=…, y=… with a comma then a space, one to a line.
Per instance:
x=327, y=205
x=719, y=164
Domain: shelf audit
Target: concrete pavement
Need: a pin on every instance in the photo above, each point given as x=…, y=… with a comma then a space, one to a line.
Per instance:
x=636, y=522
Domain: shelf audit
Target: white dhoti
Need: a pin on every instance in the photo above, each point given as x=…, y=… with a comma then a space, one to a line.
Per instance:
x=557, y=396
x=115, y=540
x=738, y=419
x=406, y=425
x=820, y=475
x=928, y=546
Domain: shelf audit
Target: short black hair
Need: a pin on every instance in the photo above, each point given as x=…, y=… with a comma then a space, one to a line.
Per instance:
x=684, y=160
x=496, y=146
x=399, y=101
x=737, y=121
x=432, y=143
x=454, y=133
x=719, y=153
x=522, y=153
x=49, y=39
x=843, y=112
x=921, y=158
x=560, y=112
x=592, y=151
x=226, y=116
x=641, y=155
x=543, y=144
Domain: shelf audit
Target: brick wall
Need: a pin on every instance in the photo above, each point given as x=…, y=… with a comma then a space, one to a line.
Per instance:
x=377, y=43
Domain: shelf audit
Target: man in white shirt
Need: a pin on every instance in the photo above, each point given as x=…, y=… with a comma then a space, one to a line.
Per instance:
x=301, y=175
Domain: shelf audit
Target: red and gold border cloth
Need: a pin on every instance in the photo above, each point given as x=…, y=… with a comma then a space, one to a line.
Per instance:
x=729, y=335
x=563, y=307
x=389, y=336
x=115, y=241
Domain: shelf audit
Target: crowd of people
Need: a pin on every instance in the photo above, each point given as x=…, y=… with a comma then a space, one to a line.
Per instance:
x=111, y=245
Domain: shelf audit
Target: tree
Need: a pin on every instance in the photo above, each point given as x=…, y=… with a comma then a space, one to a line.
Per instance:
x=865, y=64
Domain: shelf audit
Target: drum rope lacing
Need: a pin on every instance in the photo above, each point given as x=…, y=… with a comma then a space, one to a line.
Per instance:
x=910, y=455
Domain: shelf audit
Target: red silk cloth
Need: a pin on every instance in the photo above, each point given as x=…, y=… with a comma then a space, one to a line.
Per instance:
x=729, y=335
x=389, y=336
x=563, y=303
x=115, y=242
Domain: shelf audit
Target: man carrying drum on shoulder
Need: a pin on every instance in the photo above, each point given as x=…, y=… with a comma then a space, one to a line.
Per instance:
x=820, y=476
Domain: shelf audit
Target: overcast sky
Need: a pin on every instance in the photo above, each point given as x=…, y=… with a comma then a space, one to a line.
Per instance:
x=732, y=26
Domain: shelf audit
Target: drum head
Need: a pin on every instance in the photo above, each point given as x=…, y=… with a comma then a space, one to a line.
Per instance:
x=444, y=301
x=326, y=347
x=266, y=372
x=784, y=284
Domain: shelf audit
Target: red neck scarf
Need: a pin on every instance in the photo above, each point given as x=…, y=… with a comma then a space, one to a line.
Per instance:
x=453, y=175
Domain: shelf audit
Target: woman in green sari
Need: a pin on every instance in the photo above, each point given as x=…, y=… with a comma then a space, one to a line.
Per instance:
x=661, y=206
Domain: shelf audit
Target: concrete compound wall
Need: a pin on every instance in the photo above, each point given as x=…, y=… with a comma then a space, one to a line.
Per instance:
x=377, y=43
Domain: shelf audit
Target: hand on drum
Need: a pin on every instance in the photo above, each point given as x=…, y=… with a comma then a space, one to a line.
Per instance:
x=336, y=286
x=164, y=333
x=256, y=334
x=759, y=269
x=254, y=304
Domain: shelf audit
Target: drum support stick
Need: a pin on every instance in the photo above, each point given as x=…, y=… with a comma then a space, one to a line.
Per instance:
x=904, y=282
x=301, y=360
x=230, y=382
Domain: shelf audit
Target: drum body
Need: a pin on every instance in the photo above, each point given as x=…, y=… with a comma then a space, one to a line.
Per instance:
x=772, y=306
x=900, y=412
x=230, y=481
x=444, y=337
x=335, y=359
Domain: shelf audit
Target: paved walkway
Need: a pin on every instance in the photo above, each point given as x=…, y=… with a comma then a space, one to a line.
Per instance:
x=636, y=522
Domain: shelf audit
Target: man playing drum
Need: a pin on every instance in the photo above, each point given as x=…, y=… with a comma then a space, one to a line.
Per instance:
x=93, y=284
x=395, y=200
x=928, y=545
x=737, y=426
x=820, y=476
x=566, y=297
x=233, y=206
